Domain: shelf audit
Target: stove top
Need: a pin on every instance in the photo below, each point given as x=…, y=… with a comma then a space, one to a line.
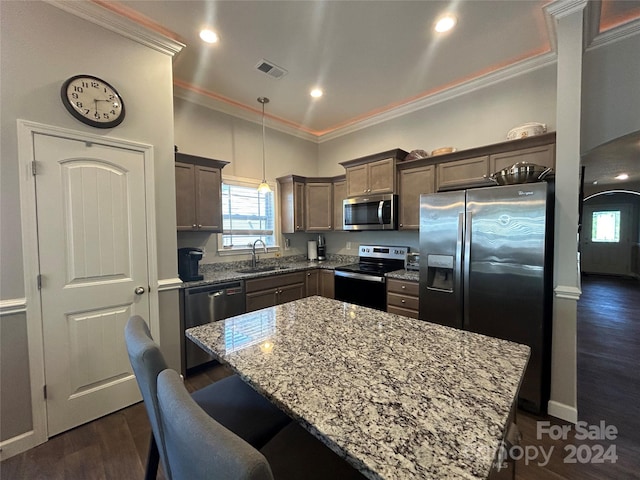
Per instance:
x=377, y=260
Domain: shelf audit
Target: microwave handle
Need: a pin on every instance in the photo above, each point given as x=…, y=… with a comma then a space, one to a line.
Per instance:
x=380, y=219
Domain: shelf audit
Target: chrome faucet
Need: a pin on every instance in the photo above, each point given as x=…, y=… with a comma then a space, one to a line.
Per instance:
x=254, y=260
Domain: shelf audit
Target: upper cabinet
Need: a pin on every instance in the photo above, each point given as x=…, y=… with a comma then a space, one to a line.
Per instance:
x=339, y=194
x=541, y=155
x=373, y=174
x=466, y=171
x=292, y=203
x=411, y=183
x=318, y=206
x=198, y=193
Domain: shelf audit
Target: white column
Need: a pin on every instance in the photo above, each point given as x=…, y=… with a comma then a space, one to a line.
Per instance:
x=568, y=17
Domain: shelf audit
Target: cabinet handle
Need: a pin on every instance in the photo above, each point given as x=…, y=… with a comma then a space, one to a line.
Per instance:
x=403, y=287
x=401, y=225
x=402, y=300
x=308, y=274
x=194, y=226
x=199, y=226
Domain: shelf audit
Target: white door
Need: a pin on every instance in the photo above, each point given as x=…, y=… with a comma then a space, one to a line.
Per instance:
x=605, y=239
x=92, y=242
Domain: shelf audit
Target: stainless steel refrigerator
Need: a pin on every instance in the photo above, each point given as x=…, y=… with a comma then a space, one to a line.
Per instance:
x=486, y=266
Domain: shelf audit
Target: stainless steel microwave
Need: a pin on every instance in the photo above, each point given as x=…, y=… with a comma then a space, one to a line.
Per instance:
x=371, y=212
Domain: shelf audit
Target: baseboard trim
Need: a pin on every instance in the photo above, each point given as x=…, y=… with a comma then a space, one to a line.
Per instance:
x=12, y=306
x=18, y=444
x=562, y=411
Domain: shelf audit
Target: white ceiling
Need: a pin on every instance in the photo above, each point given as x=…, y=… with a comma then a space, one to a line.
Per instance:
x=369, y=57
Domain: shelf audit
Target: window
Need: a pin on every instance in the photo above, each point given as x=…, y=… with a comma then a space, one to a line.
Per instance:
x=605, y=226
x=247, y=216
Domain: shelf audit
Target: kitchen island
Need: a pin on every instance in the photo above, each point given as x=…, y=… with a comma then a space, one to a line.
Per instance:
x=397, y=398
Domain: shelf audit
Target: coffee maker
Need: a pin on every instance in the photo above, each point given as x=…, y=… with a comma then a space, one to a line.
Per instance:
x=322, y=248
x=188, y=260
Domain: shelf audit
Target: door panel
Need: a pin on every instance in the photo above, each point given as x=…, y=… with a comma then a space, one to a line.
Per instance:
x=93, y=254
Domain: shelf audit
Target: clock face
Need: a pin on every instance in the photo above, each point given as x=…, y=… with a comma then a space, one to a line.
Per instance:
x=92, y=101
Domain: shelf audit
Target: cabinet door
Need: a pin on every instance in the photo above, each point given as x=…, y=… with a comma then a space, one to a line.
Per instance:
x=185, y=196
x=382, y=176
x=261, y=299
x=319, y=207
x=289, y=293
x=543, y=155
x=298, y=209
x=357, y=181
x=413, y=182
x=311, y=283
x=339, y=194
x=327, y=284
x=464, y=171
x=208, y=199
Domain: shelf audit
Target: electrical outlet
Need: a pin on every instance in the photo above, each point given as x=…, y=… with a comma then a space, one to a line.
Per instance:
x=348, y=245
x=287, y=244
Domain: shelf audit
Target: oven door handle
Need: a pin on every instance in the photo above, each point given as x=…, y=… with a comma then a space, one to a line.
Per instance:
x=359, y=276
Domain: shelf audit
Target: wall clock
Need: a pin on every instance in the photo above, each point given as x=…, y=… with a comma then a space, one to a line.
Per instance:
x=92, y=101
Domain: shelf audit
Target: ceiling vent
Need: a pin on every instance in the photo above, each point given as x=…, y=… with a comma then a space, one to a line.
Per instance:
x=271, y=69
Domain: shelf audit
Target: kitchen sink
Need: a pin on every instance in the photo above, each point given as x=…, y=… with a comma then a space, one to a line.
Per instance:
x=266, y=268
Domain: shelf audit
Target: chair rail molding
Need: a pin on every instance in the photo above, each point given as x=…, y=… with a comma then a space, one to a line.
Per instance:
x=13, y=306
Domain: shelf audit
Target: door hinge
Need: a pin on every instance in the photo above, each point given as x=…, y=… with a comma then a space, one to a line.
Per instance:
x=39, y=281
x=34, y=168
x=44, y=390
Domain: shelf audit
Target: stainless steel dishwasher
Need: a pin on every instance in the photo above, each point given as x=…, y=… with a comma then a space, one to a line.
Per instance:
x=208, y=304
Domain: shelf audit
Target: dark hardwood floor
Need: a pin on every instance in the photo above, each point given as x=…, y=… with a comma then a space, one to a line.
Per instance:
x=115, y=446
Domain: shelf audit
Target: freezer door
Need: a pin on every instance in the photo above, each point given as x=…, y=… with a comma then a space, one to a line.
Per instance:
x=505, y=291
x=442, y=219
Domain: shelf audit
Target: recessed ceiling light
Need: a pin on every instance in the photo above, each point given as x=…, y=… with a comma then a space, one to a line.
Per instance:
x=445, y=23
x=209, y=36
x=316, y=93
x=622, y=176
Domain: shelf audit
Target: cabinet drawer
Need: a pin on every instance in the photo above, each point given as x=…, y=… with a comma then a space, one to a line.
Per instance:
x=402, y=311
x=404, y=301
x=403, y=287
x=264, y=283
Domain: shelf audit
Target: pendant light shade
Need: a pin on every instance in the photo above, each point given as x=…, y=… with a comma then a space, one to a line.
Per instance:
x=264, y=186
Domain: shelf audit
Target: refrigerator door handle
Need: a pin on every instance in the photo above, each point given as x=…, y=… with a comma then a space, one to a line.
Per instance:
x=466, y=269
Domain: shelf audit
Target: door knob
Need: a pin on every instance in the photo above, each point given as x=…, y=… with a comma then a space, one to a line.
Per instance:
x=139, y=290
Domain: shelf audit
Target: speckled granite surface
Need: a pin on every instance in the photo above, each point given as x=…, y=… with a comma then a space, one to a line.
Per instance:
x=228, y=271
x=405, y=275
x=398, y=398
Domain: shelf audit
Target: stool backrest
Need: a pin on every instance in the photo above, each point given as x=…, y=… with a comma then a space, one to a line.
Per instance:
x=198, y=447
x=147, y=362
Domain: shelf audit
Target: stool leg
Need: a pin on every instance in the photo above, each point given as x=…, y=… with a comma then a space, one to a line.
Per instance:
x=152, y=460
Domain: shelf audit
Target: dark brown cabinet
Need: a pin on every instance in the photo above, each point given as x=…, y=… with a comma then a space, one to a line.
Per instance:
x=198, y=193
x=274, y=290
x=339, y=194
x=292, y=203
x=373, y=174
x=312, y=282
x=411, y=183
x=402, y=297
x=320, y=282
x=318, y=206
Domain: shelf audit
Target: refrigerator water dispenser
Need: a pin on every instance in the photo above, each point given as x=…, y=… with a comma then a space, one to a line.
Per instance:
x=440, y=273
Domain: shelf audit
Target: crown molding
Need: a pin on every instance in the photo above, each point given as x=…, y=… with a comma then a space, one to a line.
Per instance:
x=119, y=24
x=489, y=79
x=243, y=112
x=564, y=8
x=615, y=34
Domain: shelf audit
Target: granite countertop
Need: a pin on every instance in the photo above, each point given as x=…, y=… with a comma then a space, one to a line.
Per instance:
x=228, y=271
x=398, y=398
x=404, y=275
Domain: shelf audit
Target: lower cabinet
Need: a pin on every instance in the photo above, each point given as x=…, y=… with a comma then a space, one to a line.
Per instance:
x=274, y=290
x=320, y=282
x=402, y=297
x=312, y=281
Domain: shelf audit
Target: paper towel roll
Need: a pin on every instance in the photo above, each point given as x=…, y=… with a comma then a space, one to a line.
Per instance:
x=312, y=250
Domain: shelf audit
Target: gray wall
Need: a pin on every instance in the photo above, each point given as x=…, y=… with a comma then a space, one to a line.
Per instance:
x=41, y=46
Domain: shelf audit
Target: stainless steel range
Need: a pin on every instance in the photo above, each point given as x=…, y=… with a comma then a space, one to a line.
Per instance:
x=364, y=283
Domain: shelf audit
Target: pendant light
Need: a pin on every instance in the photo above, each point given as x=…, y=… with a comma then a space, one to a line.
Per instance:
x=264, y=186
